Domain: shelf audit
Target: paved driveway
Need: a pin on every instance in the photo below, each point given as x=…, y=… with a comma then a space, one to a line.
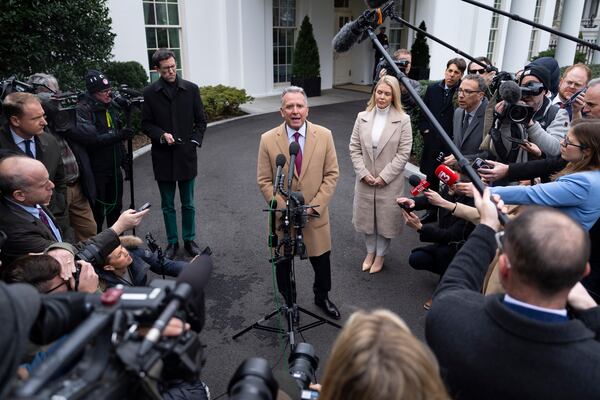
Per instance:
x=230, y=221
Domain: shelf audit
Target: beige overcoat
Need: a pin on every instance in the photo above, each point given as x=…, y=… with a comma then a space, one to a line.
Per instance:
x=387, y=161
x=317, y=180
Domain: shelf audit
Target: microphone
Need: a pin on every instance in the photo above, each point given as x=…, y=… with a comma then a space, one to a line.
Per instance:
x=280, y=162
x=446, y=175
x=294, y=150
x=510, y=92
x=190, y=288
x=347, y=36
x=419, y=185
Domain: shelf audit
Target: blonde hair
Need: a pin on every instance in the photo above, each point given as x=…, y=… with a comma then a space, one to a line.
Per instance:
x=377, y=357
x=587, y=132
x=395, y=85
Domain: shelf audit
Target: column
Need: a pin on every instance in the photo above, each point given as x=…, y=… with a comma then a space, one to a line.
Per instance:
x=518, y=35
x=570, y=24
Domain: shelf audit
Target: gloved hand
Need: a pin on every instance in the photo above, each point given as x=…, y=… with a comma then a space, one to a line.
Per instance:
x=127, y=133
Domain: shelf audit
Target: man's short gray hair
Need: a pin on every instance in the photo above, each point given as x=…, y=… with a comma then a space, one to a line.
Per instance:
x=294, y=89
x=481, y=85
x=49, y=81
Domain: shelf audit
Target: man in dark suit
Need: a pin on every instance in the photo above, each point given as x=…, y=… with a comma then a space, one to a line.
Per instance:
x=469, y=117
x=173, y=117
x=30, y=227
x=24, y=133
x=439, y=99
x=522, y=344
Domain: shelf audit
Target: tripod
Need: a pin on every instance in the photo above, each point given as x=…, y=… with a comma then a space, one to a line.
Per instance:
x=291, y=247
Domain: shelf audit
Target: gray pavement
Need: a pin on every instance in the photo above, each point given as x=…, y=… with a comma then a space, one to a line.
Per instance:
x=230, y=221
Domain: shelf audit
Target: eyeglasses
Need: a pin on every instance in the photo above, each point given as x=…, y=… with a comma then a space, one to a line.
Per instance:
x=476, y=71
x=566, y=142
x=500, y=241
x=169, y=68
x=467, y=92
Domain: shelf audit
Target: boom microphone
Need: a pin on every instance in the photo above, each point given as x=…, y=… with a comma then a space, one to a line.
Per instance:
x=446, y=175
x=419, y=185
x=347, y=36
x=279, y=162
x=190, y=288
x=510, y=92
x=294, y=150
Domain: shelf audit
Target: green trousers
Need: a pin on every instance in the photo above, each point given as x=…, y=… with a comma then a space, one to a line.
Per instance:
x=188, y=211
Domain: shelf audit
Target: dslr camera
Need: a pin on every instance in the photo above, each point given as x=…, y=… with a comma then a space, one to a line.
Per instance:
x=254, y=380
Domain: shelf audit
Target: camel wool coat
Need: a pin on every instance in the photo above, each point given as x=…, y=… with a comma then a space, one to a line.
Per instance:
x=387, y=161
x=317, y=179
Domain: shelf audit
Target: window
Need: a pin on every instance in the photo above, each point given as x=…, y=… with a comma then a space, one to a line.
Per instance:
x=342, y=3
x=534, y=31
x=284, y=26
x=163, y=30
x=398, y=31
x=494, y=29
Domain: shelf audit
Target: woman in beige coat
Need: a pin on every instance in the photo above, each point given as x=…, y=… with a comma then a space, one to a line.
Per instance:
x=380, y=146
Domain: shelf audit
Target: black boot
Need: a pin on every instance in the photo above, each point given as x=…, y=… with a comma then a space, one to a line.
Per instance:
x=191, y=247
x=327, y=307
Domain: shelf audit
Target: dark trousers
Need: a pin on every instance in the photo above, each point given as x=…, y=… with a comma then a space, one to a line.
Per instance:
x=322, y=284
x=434, y=258
x=109, y=199
x=188, y=211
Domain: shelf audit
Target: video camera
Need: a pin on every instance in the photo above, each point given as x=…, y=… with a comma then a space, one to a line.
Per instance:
x=126, y=98
x=253, y=379
x=58, y=107
x=401, y=64
x=108, y=356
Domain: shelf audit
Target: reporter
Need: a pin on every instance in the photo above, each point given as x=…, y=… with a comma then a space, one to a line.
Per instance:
x=376, y=356
x=576, y=189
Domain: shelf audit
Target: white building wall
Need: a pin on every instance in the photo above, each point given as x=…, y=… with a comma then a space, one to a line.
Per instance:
x=546, y=19
x=128, y=24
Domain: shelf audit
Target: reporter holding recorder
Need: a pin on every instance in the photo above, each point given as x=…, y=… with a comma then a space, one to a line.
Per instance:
x=576, y=189
x=379, y=148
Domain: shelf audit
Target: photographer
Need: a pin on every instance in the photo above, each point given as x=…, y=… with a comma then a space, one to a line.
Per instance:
x=129, y=263
x=403, y=60
x=100, y=131
x=31, y=227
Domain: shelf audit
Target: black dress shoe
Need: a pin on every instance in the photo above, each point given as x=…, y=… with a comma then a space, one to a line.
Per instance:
x=192, y=248
x=171, y=250
x=328, y=307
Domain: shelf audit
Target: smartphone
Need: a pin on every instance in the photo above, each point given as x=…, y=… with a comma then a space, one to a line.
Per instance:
x=406, y=208
x=144, y=206
x=572, y=98
x=479, y=163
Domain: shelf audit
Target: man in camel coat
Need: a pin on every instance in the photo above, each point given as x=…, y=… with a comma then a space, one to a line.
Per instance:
x=315, y=176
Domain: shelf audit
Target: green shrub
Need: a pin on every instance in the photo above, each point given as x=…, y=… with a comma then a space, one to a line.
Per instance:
x=223, y=101
x=130, y=73
x=305, y=62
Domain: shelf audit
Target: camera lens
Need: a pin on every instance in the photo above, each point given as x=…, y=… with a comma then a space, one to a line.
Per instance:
x=518, y=113
x=303, y=362
x=253, y=380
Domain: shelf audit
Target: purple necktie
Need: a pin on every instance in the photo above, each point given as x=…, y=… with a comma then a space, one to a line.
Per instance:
x=298, y=162
x=45, y=221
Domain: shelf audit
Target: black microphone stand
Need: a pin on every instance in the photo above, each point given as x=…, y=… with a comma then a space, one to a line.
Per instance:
x=463, y=163
x=127, y=111
x=291, y=247
x=534, y=24
x=488, y=68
